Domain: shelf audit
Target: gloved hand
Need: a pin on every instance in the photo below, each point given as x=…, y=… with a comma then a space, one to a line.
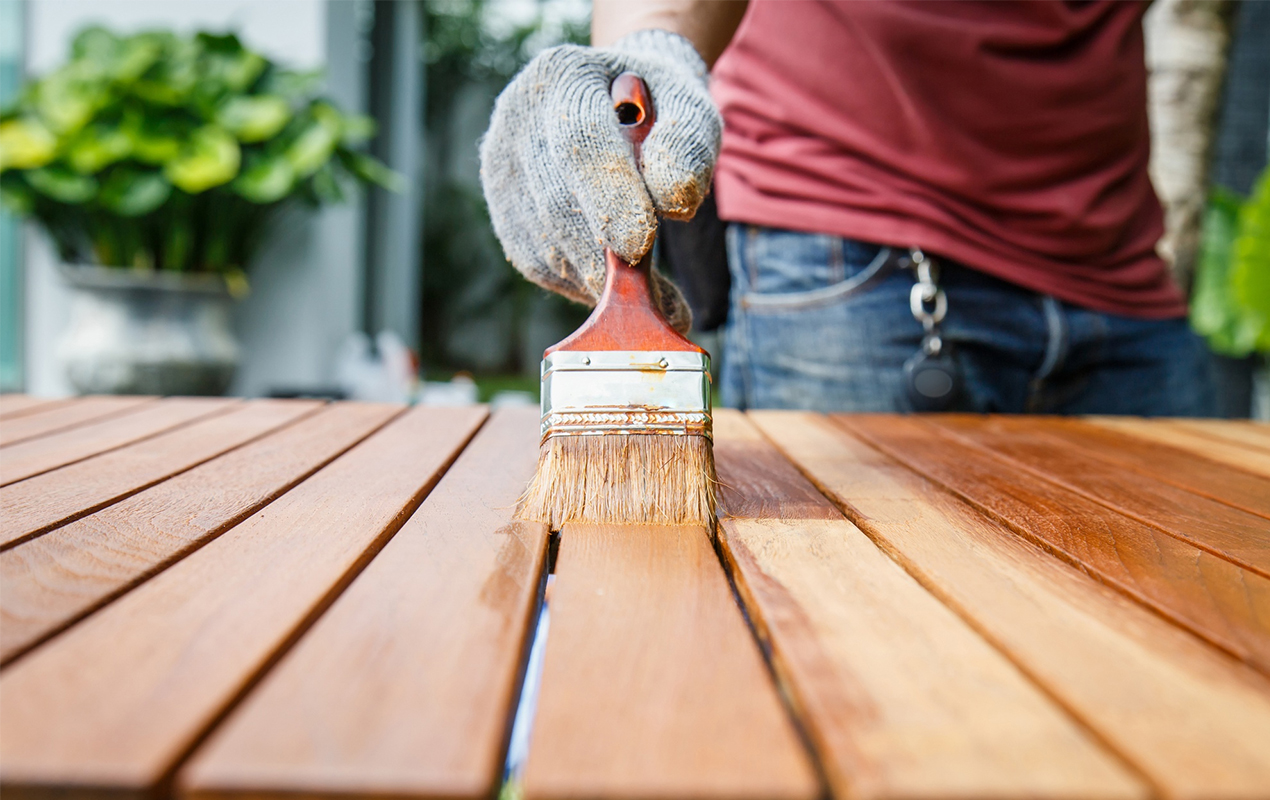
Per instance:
x=561, y=180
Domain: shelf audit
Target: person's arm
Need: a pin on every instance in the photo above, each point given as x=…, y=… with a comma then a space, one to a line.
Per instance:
x=708, y=24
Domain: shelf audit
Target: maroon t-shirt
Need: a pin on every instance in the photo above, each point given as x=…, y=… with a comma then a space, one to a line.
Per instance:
x=1011, y=137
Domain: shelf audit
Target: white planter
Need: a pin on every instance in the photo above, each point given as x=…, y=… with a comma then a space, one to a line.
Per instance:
x=148, y=333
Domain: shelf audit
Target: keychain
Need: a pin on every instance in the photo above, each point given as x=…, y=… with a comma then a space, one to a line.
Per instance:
x=932, y=378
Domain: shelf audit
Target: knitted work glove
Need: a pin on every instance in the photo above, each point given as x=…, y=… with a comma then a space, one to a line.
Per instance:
x=561, y=180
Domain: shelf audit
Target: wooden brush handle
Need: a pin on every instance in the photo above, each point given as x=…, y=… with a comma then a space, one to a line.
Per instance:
x=626, y=318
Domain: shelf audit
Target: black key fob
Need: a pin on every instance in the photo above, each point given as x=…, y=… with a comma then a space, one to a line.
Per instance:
x=933, y=382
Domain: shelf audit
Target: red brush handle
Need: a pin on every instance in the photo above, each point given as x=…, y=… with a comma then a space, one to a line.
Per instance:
x=625, y=318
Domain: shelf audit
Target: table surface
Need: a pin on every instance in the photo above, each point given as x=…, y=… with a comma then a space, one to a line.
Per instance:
x=216, y=598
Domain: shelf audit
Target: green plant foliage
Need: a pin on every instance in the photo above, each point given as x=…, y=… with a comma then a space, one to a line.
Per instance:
x=160, y=151
x=209, y=158
x=1250, y=271
x=254, y=119
x=1231, y=302
x=25, y=144
x=130, y=192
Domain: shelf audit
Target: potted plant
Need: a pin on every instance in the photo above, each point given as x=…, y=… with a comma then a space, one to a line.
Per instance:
x=157, y=164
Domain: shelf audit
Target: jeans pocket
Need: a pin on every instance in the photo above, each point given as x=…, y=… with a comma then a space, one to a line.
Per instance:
x=781, y=271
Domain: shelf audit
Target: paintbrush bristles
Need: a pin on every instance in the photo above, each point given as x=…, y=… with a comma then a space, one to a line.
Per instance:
x=624, y=479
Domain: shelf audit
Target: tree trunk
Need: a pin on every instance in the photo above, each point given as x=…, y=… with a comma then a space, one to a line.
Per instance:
x=1186, y=46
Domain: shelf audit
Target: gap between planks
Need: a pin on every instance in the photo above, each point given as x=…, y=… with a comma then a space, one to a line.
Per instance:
x=57, y=579
x=170, y=658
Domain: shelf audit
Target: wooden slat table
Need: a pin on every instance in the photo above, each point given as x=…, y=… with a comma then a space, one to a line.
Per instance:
x=216, y=599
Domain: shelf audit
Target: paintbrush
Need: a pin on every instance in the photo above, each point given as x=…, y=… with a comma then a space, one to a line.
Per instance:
x=626, y=430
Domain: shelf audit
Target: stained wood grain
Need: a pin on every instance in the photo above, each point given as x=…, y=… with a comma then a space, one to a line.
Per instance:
x=1243, y=432
x=1224, y=531
x=1219, y=601
x=651, y=685
x=406, y=685
x=39, y=504
x=899, y=696
x=1193, y=721
x=53, y=580
x=65, y=415
x=115, y=703
x=1245, y=458
x=1186, y=470
x=17, y=405
x=36, y=456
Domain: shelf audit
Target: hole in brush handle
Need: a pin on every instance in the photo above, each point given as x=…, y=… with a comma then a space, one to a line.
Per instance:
x=633, y=105
x=629, y=114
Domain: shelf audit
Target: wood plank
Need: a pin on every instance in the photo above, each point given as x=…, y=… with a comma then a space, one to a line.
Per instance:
x=899, y=696
x=1242, y=432
x=17, y=405
x=1193, y=721
x=652, y=686
x=66, y=415
x=1226, y=605
x=405, y=687
x=1244, y=458
x=1224, y=531
x=115, y=703
x=37, y=456
x=39, y=504
x=54, y=580
x=1212, y=479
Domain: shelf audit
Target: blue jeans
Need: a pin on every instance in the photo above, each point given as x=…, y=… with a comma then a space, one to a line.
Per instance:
x=814, y=324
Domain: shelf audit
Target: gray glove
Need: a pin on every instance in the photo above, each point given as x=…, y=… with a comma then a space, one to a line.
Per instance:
x=561, y=180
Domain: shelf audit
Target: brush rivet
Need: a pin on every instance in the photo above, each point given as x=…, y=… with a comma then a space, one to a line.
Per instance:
x=586, y=360
x=663, y=363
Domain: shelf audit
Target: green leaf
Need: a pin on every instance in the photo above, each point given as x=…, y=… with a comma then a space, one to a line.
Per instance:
x=155, y=139
x=326, y=187
x=131, y=192
x=134, y=56
x=1213, y=314
x=211, y=158
x=372, y=170
x=254, y=118
x=1250, y=267
x=174, y=78
x=267, y=181
x=66, y=101
x=226, y=61
x=97, y=147
x=60, y=184
x=315, y=145
x=358, y=128
x=25, y=144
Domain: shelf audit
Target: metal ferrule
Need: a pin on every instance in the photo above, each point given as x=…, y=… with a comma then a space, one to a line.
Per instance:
x=625, y=392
